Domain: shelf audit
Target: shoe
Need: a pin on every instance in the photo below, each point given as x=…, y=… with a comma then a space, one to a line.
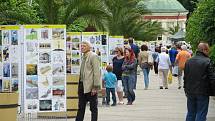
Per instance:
x=145, y=88
x=161, y=87
x=166, y=87
x=179, y=87
x=107, y=104
x=121, y=103
x=129, y=103
x=114, y=104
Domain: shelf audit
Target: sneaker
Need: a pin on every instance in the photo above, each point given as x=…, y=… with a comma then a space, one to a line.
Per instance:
x=161, y=87
x=121, y=103
x=114, y=104
x=166, y=87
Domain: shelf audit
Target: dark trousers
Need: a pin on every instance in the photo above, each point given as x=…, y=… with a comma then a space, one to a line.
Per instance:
x=83, y=99
x=156, y=67
x=197, y=107
x=128, y=82
x=112, y=91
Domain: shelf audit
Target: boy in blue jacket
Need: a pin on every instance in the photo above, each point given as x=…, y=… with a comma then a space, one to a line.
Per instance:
x=110, y=84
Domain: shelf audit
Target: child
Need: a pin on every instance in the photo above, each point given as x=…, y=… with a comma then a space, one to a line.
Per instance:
x=110, y=84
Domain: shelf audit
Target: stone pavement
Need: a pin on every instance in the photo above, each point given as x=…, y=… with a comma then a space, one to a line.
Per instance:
x=150, y=105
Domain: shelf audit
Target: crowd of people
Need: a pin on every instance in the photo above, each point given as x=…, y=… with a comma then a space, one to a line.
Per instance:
x=121, y=75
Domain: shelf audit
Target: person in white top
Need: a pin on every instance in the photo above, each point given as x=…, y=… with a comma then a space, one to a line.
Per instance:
x=164, y=65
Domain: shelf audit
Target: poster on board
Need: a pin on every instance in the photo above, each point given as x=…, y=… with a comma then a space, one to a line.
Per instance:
x=10, y=59
x=73, y=55
x=114, y=41
x=45, y=68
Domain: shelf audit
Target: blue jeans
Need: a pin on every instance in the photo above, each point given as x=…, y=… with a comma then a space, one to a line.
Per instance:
x=146, y=76
x=128, y=83
x=112, y=91
x=197, y=107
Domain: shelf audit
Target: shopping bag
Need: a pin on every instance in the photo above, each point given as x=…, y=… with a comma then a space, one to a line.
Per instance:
x=169, y=78
x=175, y=71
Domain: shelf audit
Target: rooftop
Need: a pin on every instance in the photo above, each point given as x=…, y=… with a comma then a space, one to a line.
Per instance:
x=162, y=6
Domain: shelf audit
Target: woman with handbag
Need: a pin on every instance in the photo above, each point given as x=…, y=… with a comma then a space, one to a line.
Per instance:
x=146, y=63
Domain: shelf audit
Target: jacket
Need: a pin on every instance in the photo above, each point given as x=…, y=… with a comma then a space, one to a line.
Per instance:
x=92, y=73
x=199, y=76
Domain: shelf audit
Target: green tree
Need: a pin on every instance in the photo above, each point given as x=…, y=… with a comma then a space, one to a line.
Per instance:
x=201, y=25
x=127, y=19
x=92, y=12
x=17, y=12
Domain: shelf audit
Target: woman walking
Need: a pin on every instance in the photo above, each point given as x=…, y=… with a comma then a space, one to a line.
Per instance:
x=128, y=74
x=146, y=63
x=117, y=70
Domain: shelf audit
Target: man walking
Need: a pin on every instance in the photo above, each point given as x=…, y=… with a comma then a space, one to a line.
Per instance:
x=181, y=59
x=199, y=84
x=136, y=51
x=89, y=82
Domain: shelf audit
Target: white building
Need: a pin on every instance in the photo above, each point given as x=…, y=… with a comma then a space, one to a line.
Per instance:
x=168, y=12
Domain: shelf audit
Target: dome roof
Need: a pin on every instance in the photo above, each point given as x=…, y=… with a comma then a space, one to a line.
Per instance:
x=162, y=6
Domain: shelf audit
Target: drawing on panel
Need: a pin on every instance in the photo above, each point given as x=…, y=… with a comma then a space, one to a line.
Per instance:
x=58, y=57
x=0, y=37
x=75, y=46
x=31, y=34
x=31, y=58
x=44, y=34
x=32, y=104
x=58, y=69
x=32, y=81
x=75, y=70
x=45, y=45
x=14, y=53
x=58, y=105
x=75, y=39
x=58, y=81
x=45, y=105
x=1, y=85
x=1, y=70
x=15, y=85
x=6, y=70
x=58, y=34
x=45, y=57
x=6, y=53
x=76, y=54
x=6, y=85
x=68, y=47
x=45, y=81
x=32, y=46
x=68, y=62
x=75, y=62
x=45, y=69
x=6, y=40
x=58, y=91
x=31, y=93
x=14, y=70
x=0, y=53
x=14, y=37
x=45, y=93
x=58, y=39
x=31, y=69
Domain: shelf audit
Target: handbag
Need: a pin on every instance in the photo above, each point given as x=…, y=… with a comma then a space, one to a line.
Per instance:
x=145, y=65
x=175, y=71
x=169, y=78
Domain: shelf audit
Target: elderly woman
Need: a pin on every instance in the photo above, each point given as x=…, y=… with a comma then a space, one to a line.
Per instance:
x=164, y=65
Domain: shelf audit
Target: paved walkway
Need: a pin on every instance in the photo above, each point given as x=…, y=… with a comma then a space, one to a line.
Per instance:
x=150, y=105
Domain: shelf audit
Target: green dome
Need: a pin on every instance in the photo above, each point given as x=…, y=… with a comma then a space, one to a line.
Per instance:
x=162, y=6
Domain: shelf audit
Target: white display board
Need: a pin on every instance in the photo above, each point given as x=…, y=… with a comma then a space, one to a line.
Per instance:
x=114, y=41
x=99, y=41
x=44, y=68
x=73, y=54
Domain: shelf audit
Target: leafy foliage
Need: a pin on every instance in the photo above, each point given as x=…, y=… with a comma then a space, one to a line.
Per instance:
x=127, y=20
x=17, y=12
x=201, y=25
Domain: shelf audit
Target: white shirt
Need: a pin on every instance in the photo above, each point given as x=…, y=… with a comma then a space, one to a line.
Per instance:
x=163, y=61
